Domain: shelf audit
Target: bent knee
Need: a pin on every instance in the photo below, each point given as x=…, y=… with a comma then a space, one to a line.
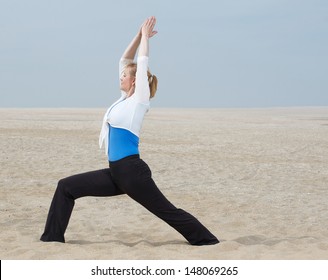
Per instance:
x=64, y=187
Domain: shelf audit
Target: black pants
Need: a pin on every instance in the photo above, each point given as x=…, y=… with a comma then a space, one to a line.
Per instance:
x=130, y=176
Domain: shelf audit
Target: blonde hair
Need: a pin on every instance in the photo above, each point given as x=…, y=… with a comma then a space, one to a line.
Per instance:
x=152, y=79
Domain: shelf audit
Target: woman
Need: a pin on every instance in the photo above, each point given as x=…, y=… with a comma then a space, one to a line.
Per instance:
x=127, y=173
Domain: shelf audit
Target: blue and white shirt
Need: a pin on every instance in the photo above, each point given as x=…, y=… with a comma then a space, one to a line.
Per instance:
x=123, y=120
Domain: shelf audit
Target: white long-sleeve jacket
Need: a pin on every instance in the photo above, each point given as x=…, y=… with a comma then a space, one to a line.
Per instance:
x=128, y=113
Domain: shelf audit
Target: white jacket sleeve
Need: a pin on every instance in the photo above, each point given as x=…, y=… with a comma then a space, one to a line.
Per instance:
x=142, y=92
x=123, y=63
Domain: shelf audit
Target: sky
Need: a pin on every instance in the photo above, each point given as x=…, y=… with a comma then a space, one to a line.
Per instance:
x=207, y=53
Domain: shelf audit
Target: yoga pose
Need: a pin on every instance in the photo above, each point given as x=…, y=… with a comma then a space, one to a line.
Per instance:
x=127, y=173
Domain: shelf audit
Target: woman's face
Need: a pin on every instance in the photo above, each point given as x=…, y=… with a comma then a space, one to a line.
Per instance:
x=127, y=81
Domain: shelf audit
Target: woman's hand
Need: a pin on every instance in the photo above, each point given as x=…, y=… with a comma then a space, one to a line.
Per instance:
x=147, y=28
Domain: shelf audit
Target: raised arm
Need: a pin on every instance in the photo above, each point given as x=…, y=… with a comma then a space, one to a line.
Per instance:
x=142, y=91
x=129, y=53
x=131, y=49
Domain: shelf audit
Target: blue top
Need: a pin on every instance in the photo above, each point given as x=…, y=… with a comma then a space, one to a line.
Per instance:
x=122, y=143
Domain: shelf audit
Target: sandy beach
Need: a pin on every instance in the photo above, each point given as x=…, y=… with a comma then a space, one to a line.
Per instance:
x=257, y=178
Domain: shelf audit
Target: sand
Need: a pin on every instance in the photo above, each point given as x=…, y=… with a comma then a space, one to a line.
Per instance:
x=257, y=178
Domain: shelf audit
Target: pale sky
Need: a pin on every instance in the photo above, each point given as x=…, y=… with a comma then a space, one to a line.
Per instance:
x=207, y=53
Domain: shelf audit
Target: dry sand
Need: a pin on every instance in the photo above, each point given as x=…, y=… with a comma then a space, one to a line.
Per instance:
x=257, y=178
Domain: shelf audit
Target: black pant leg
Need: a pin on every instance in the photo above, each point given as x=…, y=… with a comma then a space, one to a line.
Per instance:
x=182, y=221
x=135, y=179
x=94, y=183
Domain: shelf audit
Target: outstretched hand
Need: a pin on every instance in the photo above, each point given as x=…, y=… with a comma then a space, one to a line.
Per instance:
x=147, y=28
